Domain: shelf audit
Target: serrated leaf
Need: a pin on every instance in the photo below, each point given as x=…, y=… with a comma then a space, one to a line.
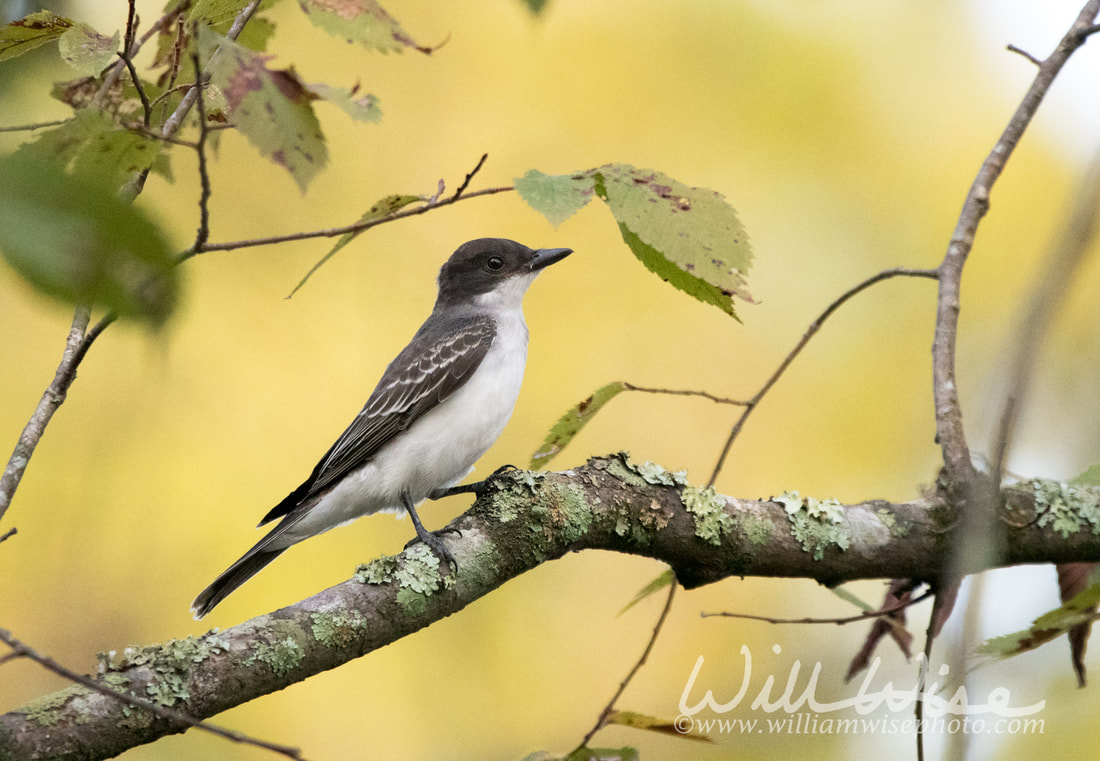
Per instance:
x=91, y=143
x=30, y=32
x=214, y=12
x=382, y=208
x=1080, y=609
x=556, y=197
x=625, y=753
x=362, y=21
x=689, y=237
x=272, y=108
x=86, y=50
x=71, y=237
x=653, y=724
x=361, y=108
x=573, y=421
x=667, y=578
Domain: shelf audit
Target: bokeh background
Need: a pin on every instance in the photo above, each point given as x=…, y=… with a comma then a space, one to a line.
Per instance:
x=845, y=133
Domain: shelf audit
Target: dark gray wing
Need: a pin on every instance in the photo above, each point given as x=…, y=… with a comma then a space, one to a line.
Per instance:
x=441, y=357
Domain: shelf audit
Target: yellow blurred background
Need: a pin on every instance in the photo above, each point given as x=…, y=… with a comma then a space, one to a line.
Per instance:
x=846, y=134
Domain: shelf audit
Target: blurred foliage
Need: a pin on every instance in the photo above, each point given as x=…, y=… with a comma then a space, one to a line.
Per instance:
x=848, y=148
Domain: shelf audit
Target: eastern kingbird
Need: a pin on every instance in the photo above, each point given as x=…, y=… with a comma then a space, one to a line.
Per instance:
x=439, y=406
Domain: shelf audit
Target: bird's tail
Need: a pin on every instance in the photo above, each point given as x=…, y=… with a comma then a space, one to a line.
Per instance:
x=238, y=573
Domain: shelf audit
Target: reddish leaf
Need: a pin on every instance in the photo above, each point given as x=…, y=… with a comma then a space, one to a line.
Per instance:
x=1073, y=579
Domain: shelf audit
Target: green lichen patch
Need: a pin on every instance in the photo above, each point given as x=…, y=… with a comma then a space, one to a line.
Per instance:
x=572, y=516
x=281, y=656
x=652, y=473
x=898, y=527
x=416, y=573
x=1066, y=508
x=757, y=530
x=816, y=524
x=623, y=469
x=172, y=662
x=378, y=571
x=338, y=630
x=712, y=522
x=48, y=710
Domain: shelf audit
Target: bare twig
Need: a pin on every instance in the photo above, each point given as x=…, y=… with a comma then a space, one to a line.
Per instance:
x=22, y=650
x=815, y=326
x=683, y=392
x=633, y=671
x=334, y=232
x=949, y=424
x=31, y=127
x=203, y=233
x=1019, y=51
x=1060, y=265
x=146, y=107
x=8, y=534
x=466, y=182
x=862, y=616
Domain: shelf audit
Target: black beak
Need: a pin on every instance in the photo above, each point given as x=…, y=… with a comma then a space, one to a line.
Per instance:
x=544, y=257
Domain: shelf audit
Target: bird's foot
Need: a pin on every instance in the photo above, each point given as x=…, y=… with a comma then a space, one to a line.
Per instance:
x=434, y=542
x=477, y=487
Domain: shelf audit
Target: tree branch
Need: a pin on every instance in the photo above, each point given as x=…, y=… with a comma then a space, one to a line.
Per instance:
x=523, y=520
x=949, y=423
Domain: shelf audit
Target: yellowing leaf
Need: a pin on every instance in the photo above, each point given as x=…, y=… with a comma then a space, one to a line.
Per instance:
x=86, y=50
x=363, y=21
x=30, y=32
x=570, y=424
x=272, y=108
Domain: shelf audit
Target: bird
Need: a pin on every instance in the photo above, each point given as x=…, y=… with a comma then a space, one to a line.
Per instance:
x=440, y=404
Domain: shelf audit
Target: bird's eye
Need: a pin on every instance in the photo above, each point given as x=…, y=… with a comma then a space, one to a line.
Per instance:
x=494, y=263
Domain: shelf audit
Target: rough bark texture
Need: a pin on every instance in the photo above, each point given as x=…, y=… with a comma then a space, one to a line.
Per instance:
x=525, y=519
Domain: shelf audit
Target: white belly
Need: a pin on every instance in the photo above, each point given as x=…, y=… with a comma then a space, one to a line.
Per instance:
x=436, y=451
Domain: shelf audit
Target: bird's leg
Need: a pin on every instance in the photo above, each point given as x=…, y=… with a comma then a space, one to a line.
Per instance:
x=430, y=538
x=477, y=487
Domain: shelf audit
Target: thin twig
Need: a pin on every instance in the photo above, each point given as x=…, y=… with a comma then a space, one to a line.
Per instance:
x=466, y=183
x=131, y=29
x=36, y=125
x=685, y=392
x=1060, y=265
x=203, y=233
x=949, y=424
x=862, y=616
x=9, y=534
x=815, y=326
x=334, y=232
x=1019, y=51
x=22, y=650
x=633, y=671
x=146, y=106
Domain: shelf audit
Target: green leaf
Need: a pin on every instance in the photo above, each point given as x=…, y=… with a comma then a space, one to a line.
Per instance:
x=361, y=108
x=653, y=724
x=1052, y=624
x=689, y=237
x=573, y=421
x=91, y=143
x=383, y=208
x=363, y=21
x=556, y=197
x=30, y=32
x=86, y=50
x=71, y=237
x=665, y=579
x=847, y=596
x=1090, y=477
x=272, y=108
